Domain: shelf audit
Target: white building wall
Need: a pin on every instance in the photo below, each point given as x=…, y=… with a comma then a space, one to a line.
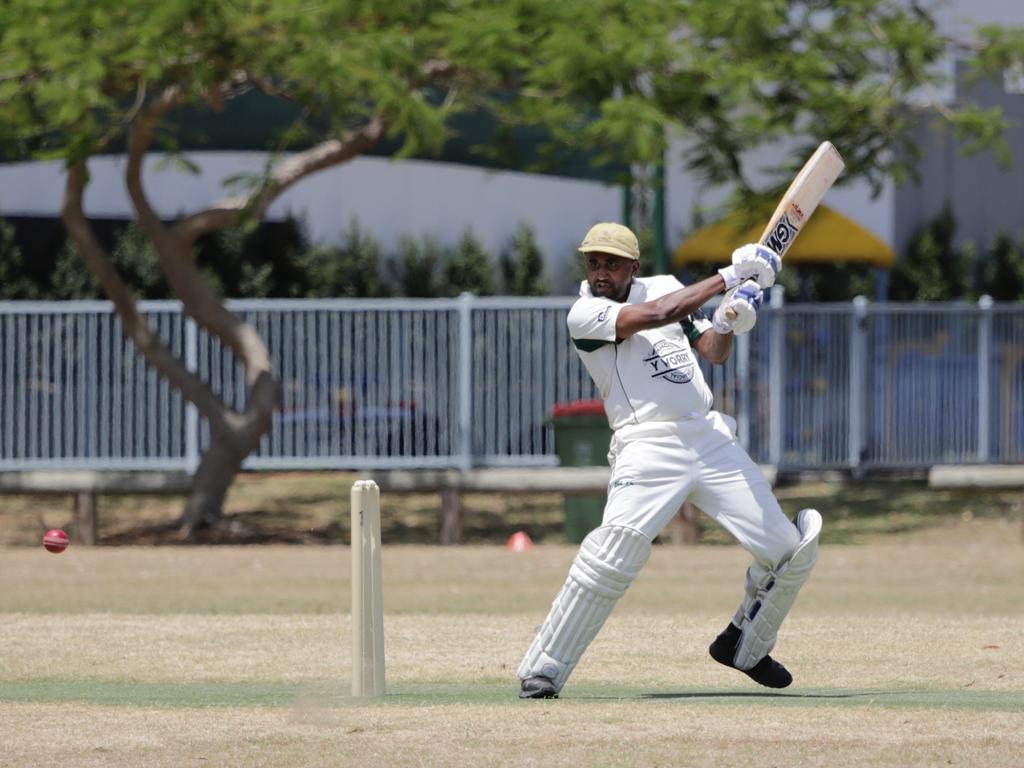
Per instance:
x=962, y=15
x=390, y=198
x=414, y=197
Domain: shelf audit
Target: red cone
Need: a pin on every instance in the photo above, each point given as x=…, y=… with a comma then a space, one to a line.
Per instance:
x=519, y=541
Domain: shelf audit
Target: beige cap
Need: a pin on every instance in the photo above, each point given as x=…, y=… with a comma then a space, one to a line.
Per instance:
x=616, y=239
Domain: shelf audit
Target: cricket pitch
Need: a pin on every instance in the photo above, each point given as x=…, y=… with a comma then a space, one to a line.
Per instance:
x=904, y=653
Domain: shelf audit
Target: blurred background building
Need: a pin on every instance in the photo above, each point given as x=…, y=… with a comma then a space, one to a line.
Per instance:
x=492, y=196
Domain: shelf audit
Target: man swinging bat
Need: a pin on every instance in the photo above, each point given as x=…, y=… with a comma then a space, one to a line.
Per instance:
x=637, y=337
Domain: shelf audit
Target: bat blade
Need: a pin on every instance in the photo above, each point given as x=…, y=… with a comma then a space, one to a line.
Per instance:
x=800, y=201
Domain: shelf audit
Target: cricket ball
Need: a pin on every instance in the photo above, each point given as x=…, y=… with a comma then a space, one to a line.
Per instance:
x=55, y=541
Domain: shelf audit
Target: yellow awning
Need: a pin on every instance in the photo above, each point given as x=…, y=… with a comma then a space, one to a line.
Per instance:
x=827, y=237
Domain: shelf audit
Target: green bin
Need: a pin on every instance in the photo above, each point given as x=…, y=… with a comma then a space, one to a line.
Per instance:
x=582, y=435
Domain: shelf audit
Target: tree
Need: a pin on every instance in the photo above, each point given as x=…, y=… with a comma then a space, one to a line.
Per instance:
x=14, y=281
x=827, y=282
x=79, y=79
x=729, y=76
x=255, y=262
x=469, y=268
x=416, y=267
x=933, y=268
x=135, y=258
x=522, y=264
x=350, y=269
x=606, y=76
x=1000, y=272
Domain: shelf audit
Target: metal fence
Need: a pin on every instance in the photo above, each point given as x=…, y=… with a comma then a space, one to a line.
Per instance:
x=471, y=381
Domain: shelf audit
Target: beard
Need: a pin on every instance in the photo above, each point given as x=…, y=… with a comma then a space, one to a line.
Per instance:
x=607, y=290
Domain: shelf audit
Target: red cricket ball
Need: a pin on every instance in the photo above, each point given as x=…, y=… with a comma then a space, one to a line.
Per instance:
x=55, y=541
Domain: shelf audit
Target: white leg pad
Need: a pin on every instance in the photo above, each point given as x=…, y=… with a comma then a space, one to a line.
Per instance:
x=772, y=592
x=606, y=564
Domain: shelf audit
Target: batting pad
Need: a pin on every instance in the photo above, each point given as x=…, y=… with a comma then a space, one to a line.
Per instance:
x=606, y=564
x=771, y=593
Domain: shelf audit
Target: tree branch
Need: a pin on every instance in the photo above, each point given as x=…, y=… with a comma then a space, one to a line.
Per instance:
x=174, y=249
x=324, y=155
x=149, y=345
x=140, y=139
x=175, y=255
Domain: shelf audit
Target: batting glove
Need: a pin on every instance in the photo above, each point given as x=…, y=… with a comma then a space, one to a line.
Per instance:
x=744, y=302
x=752, y=261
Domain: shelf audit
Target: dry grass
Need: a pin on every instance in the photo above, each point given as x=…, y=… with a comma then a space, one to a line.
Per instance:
x=560, y=734
x=635, y=653
x=906, y=653
x=962, y=567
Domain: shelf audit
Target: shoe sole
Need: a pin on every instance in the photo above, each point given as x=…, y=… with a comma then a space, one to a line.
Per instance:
x=748, y=672
x=538, y=695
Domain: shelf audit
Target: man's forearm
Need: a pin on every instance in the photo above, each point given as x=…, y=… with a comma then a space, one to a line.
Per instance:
x=679, y=305
x=670, y=308
x=715, y=347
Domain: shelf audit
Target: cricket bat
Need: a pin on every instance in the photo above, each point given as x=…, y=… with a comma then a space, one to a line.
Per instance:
x=796, y=206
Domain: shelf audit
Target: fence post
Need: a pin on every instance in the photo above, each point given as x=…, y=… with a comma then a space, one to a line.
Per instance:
x=984, y=376
x=465, y=381
x=858, y=367
x=191, y=412
x=776, y=377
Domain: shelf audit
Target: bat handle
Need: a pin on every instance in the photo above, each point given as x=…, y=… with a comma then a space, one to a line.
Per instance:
x=730, y=314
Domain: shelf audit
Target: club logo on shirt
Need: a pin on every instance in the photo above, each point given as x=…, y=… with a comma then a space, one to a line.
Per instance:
x=670, y=361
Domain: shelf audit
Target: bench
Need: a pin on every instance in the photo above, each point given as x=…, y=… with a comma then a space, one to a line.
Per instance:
x=86, y=485
x=976, y=476
x=451, y=484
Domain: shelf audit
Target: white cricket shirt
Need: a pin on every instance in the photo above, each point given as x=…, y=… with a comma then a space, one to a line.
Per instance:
x=651, y=376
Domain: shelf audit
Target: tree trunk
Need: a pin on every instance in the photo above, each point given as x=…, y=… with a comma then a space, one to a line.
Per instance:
x=222, y=461
x=210, y=484
x=234, y=434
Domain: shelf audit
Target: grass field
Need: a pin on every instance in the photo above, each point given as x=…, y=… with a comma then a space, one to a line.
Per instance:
x=906, y=652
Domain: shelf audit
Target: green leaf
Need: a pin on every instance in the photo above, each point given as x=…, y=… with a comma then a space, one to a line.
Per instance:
x=178, y=162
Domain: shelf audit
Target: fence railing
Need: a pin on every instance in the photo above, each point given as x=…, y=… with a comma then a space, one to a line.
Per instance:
x=471, y=381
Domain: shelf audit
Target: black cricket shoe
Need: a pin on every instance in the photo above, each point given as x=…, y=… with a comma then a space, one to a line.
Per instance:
x=538, y=687
x=767, y=672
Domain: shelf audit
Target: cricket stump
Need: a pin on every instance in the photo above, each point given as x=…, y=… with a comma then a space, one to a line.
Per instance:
x=367, y=592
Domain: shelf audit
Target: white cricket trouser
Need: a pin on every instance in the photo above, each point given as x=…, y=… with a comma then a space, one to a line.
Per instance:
x=659, y=465
x=655, y=468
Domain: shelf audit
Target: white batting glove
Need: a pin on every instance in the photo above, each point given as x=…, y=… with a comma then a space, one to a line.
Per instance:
x=752, y=261
x=744, y=302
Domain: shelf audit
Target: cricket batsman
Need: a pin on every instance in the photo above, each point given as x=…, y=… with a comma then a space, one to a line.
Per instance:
x=637, y=337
